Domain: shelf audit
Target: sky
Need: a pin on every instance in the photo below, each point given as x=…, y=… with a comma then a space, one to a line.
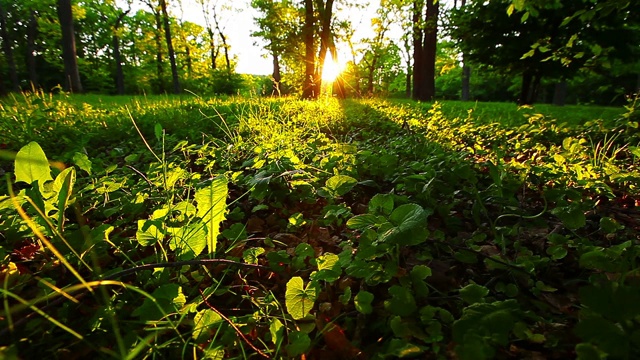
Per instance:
x=239, y=26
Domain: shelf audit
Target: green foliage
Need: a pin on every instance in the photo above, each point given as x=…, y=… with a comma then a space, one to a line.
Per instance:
x=479, y=229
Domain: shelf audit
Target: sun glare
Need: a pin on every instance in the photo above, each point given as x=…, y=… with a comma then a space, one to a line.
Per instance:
x=331, y=69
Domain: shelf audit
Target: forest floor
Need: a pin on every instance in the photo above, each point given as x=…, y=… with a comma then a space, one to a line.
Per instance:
x=187, y=227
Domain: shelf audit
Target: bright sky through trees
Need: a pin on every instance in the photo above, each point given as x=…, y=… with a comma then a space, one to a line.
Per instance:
x=331, y=69
x=249, y=51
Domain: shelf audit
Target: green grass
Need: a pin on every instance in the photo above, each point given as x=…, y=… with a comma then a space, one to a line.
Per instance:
x=415, y=228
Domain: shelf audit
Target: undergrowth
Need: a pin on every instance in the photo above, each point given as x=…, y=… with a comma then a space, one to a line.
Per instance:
x=278, y=228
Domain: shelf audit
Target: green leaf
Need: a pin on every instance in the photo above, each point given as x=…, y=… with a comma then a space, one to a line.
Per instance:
x=486, y=322
x=410, y=222
x=299, y=342
x=572, y=216
x=304, y=250
x=346, y=296
x=381, y=204
x=362, y=222
x=327, y=261
x=158, y=132
x=188, y=241
x=587, y=352
x=609, y=225
x=362, y=302
x=473, y=293
x=297, y=220
x=276, y=329
x=148, y=233
x=402, y=302
x=168, y=298
x=618, y=303
x=299, y=300
x=597, y=259
x=608, y=336
x=250, y=256
x=205, y=321
x=339, y=185
x=31, y=165
x=82, y=161
x=557, y=252
x=420, y=272
x=63, y=186
x=211, y=204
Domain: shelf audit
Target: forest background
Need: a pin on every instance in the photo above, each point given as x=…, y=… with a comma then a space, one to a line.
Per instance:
x=565, y=53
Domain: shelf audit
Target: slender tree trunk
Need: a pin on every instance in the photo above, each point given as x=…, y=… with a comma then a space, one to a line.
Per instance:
x=326, y=40
x=466, y=80
x=32, y=34
x=535, y=88
x=118, y=61
x=418, y=53
x=560, y=93
x=527, y=78
x=225, y=48
x=213, y=51
x=117, y=57
x=69, y=54
x=159, y=54
x=170, y=51
x=372, y=69
x=276, y=75
x=8, y=50
x=407, y=85
x=638, y=84
x=430, y=46
x=187, y=53
x=310, y=52
x=466, y=70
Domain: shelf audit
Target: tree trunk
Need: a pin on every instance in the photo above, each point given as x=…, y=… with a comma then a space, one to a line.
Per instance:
x=170, y=51
x=530, y=86
x=8, y=50
x=527, y=78
x=69, y=54
x=430, y=46
x=371, y=68
x=32, y=34
x=466, y=70
x=466, y=79
x=326, y=40
x=560, y=93
x=308, y=90
x=425, y=43
x=418, y=53
x=213, y=51
x=159, y=54
x=225, y=47
x=118, y=61
x=117, y=57
x=276, y=75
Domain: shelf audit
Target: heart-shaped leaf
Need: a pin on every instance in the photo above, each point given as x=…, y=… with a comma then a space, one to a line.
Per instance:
x=299, y=299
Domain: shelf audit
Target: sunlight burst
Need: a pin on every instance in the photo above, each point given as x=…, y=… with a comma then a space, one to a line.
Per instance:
x=331, y=69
